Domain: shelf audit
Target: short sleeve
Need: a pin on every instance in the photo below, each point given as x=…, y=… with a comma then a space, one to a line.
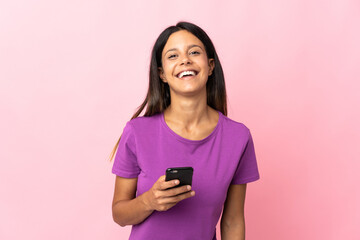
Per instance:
x=125, y=163
x=247, y=169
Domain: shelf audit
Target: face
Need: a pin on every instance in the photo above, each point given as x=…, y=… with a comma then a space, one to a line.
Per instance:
x=183, y=51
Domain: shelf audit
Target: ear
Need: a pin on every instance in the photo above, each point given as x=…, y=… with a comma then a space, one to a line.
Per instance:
x=211, y=65
x=161, y=74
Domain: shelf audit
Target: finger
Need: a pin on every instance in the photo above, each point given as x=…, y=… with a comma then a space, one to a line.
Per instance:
x=161, y=179
x=177, y=191
x=179, y=198
x=166, y=207
x=159, y=183
x=165, y=185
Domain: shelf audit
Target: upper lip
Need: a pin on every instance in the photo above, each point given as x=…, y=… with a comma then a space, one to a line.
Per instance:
x=196, y=72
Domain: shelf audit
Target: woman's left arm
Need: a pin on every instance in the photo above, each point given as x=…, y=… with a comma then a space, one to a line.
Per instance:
x=233, y=218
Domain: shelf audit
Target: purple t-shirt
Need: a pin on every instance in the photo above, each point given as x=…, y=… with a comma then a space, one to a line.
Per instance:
x=227, y=156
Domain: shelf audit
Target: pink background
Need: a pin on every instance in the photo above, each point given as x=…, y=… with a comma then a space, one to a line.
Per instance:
x=73, y=72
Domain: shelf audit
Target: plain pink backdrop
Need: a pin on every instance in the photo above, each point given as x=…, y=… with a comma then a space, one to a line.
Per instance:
x=73, y=72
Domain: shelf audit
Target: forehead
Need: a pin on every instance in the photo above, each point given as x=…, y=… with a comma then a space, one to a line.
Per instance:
x=181, y=39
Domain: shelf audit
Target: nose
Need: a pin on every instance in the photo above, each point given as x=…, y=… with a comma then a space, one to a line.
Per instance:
x=185, y=60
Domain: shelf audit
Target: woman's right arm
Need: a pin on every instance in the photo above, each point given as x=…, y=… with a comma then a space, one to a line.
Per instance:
x=127, y=209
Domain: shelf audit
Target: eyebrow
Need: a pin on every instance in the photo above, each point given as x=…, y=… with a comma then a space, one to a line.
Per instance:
x=190, y=46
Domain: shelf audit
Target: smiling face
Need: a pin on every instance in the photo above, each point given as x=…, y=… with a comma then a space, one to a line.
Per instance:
x=183, y=51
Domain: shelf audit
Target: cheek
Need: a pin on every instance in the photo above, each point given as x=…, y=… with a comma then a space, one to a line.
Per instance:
x=204, y=62
x=205, y=67
x=167, y=67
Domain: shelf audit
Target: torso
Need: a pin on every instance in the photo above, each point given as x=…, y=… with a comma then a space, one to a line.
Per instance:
x=148, y=147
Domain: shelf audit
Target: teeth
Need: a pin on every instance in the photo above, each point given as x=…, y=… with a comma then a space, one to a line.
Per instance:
x=186, y=73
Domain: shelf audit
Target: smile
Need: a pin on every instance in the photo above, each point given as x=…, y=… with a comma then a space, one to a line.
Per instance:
x=187, y=74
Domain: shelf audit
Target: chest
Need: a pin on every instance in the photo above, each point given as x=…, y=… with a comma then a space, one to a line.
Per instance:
x=197, y=133
x=213, y=163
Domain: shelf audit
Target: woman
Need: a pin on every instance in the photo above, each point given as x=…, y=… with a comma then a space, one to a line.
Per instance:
x=185, y=124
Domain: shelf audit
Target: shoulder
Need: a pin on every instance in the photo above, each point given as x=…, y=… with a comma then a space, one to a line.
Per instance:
x=143, y=123
x=235, y=127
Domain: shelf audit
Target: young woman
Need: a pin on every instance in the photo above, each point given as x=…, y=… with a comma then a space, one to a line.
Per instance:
x=185, y=124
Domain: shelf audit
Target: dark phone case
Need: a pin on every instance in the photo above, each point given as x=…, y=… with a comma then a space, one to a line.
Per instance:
x=184, y=174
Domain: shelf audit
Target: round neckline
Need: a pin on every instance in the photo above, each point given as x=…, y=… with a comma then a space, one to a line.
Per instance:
x=189, y=140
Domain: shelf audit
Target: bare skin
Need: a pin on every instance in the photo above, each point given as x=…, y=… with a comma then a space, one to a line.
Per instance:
x=129, y=210
x=232, y=224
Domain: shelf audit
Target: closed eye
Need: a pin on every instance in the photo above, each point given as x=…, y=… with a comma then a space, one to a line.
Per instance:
x=195, y=52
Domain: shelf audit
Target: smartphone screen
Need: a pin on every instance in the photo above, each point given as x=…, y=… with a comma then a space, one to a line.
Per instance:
x=184, y=174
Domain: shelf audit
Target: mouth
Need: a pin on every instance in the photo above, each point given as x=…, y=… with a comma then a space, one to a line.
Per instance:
x=187, y=74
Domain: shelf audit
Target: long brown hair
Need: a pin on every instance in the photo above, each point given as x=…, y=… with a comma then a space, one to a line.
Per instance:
x=158, y=94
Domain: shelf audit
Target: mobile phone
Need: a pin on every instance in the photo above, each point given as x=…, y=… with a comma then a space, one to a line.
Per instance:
x=184, y=174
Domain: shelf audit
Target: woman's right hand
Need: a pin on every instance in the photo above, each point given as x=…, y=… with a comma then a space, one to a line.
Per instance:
x=160, y=198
